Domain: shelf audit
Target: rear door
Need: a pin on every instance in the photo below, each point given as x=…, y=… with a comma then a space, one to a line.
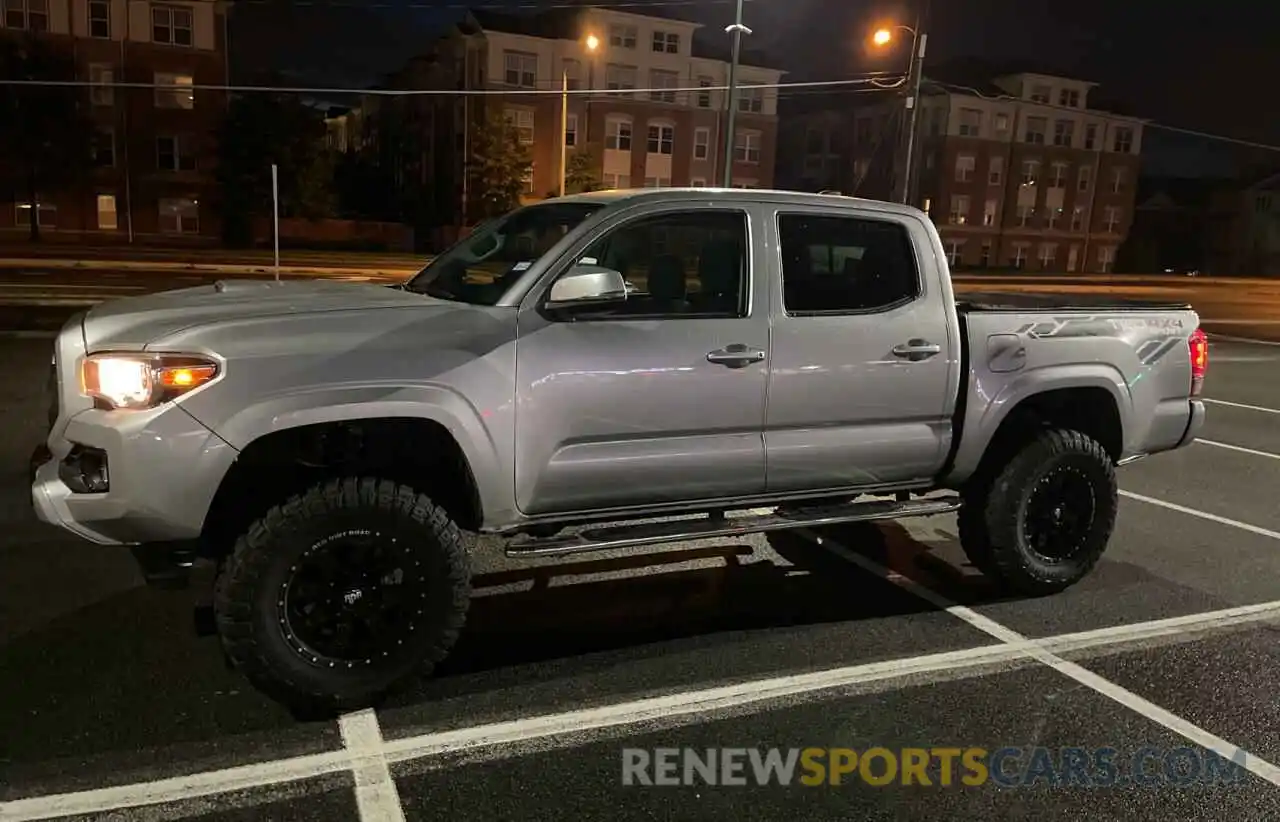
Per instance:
x=860, y=367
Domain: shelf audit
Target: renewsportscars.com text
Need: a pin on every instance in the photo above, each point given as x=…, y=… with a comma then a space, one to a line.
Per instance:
x=1009, y=767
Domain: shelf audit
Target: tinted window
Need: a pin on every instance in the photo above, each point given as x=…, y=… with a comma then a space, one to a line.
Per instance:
x=686, y=264
x=833, y=264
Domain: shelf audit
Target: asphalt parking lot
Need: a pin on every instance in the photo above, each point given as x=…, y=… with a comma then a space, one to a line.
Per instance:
x=857, y=637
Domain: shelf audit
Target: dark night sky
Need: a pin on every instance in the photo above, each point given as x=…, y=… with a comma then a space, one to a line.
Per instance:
x=1195, y=65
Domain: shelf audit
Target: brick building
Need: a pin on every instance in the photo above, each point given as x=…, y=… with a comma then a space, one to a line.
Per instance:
x=658, y=138
x=1018, y=172
x=154, y=148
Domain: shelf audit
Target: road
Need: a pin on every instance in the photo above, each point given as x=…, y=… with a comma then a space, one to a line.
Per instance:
x=872, y=636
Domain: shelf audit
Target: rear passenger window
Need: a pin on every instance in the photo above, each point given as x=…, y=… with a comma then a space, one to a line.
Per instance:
x=844, y=264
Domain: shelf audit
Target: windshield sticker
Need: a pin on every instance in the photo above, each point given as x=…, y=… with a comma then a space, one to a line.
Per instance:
x=521, y=266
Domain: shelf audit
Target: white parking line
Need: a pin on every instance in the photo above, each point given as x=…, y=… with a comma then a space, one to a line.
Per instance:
x=1195, y=512
x=363, y=739
x=377, y=799
x=1255, y=452
x=1245, y=406
x=1251, y=762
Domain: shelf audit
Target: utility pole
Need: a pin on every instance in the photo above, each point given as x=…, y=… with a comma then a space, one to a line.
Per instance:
x=564, y=128
x=913, y=108
x=737, y=29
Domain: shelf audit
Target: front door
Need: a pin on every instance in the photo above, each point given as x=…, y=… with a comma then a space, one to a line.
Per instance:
x=658, y=397
x=864, y=360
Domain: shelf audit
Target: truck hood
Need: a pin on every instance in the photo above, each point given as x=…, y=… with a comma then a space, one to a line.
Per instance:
x=135, y=322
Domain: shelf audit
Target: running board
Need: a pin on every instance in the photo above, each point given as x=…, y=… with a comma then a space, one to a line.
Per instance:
x=653, y=533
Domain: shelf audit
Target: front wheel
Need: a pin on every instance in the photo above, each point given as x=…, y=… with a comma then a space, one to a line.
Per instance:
x=340, y=595
x=1041, y=523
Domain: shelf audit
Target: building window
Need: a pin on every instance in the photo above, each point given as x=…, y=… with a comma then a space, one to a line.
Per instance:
x=520, y=69
x=621, y=36
x=1059, y=178
x=619, y=78
x=666, y=42
x=1117, y=180
x=1084, y=178
x=1030, y=172
x=1048, y=253
x=1019, y=255
x=616, y=180
x=989, y=212
x=1001, y=122
x=32, y=15
x=704, y=97
x=965, y=164
x=1051, y=218
x=701, y=143
x=661, y=139
x=1036, y=127
x=100, y=19
x=1077, y=218
x=101, y=92
x=573, y=74
x=173, y=154
x=698, y=182
x=174, y=91
x=108, y=219
x=571, y=130
x=526, y=179
x=995, y=171
x=46, y=215
x=746, y=147
x=1111, y=219
x=1123, y=143
x=1069, y=97
x=1064, y=132
x=751, y=99
x=1025, y=213
x=953, y=252
x=1106, y=258
x=1090, y=136
x=171, y=25
x=959, y=214
x=521, y=119
x=1040, y=94
x=1262, y=204
x=661, y=83
x=984, y=254
x=104, y=148
x=657, y=182
x=179, y=216
x=617, y=135
x=970, y=122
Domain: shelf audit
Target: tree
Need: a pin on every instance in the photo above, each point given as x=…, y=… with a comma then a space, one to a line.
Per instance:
x=261, y=129
x=581, y=171
x=498, y=168
x=45, y=131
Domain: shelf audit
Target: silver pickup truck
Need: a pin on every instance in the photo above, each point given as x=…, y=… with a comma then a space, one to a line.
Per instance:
x=592, y=372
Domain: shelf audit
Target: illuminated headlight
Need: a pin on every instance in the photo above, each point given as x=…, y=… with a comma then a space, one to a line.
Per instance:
x=138, y=381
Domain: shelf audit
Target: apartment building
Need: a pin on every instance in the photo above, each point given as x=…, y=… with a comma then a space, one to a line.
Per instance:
x=154, y=148
x=1018, y=172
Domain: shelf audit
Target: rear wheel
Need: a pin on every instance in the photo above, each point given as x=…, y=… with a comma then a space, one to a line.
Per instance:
x=342, y=594
x=1041, y=523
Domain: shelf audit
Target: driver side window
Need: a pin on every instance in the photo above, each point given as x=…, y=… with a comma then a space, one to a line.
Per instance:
x=685, y=264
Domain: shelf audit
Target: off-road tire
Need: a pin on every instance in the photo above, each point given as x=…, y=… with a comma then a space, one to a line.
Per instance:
x=993, y=517
x=247, y=598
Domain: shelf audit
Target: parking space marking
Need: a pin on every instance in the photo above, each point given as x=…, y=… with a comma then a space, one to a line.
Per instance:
x=377, y=799
x=1245, y=406
x=1251, y=762
x=1253, y=451
x=1195, y=512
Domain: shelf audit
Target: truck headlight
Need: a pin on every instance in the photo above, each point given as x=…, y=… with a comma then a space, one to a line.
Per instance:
x=138, y=381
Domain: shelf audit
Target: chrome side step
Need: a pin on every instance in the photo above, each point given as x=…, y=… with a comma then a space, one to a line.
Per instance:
x=653, y=533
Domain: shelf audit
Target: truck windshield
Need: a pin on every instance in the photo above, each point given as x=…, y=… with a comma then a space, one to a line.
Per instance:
x=482, y=266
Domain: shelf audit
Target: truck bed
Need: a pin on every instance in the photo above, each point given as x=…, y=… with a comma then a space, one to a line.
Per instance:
x=1015, y=302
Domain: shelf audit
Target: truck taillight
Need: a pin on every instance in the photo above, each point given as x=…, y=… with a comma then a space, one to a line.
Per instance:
x=1199, y=345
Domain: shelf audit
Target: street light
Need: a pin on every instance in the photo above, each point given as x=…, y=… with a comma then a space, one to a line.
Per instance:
x=883, y=37
x=592, y=43
x=737, y=30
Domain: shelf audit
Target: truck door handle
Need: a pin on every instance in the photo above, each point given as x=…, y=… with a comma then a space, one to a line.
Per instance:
x=917, y=350
x=736, y=355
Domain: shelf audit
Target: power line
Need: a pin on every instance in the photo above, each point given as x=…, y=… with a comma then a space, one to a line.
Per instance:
x=517, y=6
x=876, y=79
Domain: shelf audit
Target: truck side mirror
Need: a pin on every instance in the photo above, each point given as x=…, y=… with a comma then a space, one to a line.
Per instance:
x=586, y=284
